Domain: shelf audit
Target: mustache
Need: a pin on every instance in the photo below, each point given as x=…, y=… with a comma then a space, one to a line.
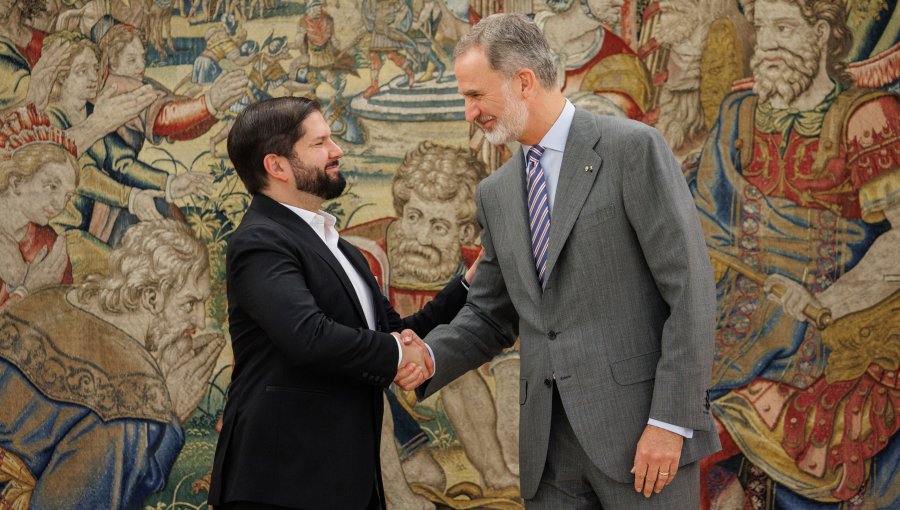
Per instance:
x=334, y=163
x=481, y=121
x=785, y=54
x=407, y=247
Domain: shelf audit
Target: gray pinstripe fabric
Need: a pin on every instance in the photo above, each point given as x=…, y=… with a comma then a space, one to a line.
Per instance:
x=626, y=318
x=572, y=482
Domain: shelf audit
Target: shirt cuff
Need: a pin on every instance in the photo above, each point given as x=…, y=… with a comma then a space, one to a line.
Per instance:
x=681, y=431
x=433, y=362
x=399, y=349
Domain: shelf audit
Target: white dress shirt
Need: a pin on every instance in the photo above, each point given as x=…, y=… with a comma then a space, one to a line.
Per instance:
x=554, y=144
x=322, y=224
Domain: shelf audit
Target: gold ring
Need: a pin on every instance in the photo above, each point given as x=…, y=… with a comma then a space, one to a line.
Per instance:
x=663, y=474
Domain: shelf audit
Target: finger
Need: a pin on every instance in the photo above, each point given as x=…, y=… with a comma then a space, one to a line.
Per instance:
x=107, y=93
x=673, y=468
x=41, y=255
x=410, y=379
x=407, y=336
x=662, y=479
x=640, y=472
x=410, y=382
x=650, y=480
x=405, y=371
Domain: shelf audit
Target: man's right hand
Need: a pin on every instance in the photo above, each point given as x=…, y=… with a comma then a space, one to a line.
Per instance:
x=416, y=364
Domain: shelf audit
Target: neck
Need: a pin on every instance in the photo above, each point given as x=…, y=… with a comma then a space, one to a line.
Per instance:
x=75, y=109
x=543, y=111
x=295, y=198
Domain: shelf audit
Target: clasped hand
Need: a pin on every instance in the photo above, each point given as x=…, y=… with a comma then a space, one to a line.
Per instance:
x=416, y=365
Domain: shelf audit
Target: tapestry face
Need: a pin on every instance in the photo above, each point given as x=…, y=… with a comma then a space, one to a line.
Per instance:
x=117, y=201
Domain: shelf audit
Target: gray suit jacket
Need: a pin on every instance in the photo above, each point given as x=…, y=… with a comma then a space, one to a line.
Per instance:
x=626, y=319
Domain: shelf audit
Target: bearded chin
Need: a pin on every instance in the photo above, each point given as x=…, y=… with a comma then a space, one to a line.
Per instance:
x=413, y=263
x=161, y=337
x=316, y=181
x=511, y=124
x=788, y=80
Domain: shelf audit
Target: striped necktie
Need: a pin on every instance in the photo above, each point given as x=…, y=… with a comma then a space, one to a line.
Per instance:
x=538, y=210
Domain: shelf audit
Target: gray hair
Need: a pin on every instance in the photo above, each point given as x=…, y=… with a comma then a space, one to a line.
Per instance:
x=162, y=255
x=512, y=42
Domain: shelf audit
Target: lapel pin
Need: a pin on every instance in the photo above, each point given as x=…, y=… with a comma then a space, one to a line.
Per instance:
x=589, y=169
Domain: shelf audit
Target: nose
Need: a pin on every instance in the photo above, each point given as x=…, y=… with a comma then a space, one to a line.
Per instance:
x=472, y=111
x=423, y=236
x=765, y=39
x=198, y=316
x=336, y=151
x=58, y=201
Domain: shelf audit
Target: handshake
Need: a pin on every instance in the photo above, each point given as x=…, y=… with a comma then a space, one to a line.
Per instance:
x=416, y=365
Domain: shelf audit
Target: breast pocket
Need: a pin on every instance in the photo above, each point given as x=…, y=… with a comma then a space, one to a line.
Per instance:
x=523, y=391
x=595, y=218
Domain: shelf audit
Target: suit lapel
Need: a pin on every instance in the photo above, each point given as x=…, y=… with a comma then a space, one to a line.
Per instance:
x=291, y=221
x=515, y=220
x=580, y=167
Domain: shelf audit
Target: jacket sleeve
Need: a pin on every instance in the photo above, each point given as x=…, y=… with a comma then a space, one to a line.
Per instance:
x=664, y=219
x=440, y=310
x=267, y=282
x=487, y=324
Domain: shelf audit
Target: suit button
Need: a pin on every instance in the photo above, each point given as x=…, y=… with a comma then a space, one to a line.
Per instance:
x=548, y=382
x=551, y=335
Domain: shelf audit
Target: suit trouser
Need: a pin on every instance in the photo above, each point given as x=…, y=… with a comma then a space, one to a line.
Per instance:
x=572, y=482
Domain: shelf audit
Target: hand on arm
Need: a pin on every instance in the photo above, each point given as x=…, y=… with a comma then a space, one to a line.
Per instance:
x=470, y=273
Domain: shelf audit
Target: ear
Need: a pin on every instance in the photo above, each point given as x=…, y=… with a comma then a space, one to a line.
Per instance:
x=14, y=182
x=823, y=30
x=278, y=168
x=467, y=234
x=152, y=300
x=528, y=82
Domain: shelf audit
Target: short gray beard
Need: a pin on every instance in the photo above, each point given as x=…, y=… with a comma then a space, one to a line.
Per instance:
x=511, y=124
x=801, y=65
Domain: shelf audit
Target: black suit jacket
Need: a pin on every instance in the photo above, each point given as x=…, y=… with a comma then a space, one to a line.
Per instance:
x=302, y=422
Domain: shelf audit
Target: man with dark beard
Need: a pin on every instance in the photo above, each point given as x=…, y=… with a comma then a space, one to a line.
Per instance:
x=310, y=329
x=798, y=190
x=96, y=380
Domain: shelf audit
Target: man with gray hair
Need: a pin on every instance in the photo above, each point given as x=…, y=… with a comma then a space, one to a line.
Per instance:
x=594, y=257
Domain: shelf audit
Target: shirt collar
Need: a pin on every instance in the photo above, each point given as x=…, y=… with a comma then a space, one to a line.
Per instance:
x=313, y=217
x=556, y=137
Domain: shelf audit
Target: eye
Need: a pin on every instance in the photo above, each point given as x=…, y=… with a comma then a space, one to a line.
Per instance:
x=440, y=229
x=412, y=216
